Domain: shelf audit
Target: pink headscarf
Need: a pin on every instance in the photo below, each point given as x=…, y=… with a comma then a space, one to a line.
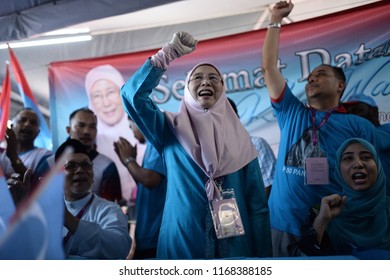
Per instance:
x=107, y=134
x=103, y=72
x=214, y=138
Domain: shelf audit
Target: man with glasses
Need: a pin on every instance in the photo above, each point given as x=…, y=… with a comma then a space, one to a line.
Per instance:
x=83, y=127
x=94, y=228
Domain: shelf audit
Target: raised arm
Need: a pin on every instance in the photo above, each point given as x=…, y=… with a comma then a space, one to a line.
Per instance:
x=274, y=80
x=331, y=207
x=135, y=93
x=182, y=43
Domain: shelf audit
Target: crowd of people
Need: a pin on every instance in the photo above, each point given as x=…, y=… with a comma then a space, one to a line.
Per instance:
x=206, y=189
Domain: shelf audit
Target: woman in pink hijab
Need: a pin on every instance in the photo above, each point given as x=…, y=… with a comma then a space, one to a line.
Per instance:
x=216, y=206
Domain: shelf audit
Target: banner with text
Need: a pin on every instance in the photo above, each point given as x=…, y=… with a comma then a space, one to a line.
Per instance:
x=357, y=40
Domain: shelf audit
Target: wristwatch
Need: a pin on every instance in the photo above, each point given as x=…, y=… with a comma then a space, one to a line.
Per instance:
x=129, y=160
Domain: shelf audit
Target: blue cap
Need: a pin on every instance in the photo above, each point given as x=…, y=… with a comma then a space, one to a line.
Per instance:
x=360, y=97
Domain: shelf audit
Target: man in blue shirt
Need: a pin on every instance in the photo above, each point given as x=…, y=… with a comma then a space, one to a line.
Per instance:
x=310, y=137
x=94, y=228
x=152, y=187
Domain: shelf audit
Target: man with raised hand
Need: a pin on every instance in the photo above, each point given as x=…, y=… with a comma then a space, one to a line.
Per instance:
x=310, y=136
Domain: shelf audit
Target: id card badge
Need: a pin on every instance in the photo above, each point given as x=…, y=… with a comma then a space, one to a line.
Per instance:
x=316, y=163
x=226, y=215
x=316, y=171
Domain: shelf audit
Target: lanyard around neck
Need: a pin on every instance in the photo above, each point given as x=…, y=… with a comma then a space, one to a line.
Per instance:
x=314, y=127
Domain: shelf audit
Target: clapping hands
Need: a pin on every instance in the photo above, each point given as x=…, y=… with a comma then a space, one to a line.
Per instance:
x=19, y=186
x=125, y=150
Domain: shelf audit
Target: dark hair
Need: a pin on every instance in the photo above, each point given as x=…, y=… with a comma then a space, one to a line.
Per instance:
x=76, y=146
x=339, y=74
x=83, y=109
x=233, y=106
x=26, y=109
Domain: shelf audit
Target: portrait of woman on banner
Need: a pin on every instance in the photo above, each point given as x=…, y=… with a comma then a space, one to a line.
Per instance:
x=102, y=84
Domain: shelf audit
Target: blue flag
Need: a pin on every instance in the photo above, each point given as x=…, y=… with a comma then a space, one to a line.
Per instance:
x=35, y=231
x=7, y=206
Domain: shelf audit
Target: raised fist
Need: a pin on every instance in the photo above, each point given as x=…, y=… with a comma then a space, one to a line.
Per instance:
x=183, y=43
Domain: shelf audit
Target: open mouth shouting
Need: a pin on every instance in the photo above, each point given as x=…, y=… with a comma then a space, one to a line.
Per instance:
x=205, y=92
x=359, y=178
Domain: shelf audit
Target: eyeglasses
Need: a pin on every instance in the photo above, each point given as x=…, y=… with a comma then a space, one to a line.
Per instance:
x=211, y=78
x=73, y=166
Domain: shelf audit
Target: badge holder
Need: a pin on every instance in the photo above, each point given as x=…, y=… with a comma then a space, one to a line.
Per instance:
x=226, y=215
x=316, y=166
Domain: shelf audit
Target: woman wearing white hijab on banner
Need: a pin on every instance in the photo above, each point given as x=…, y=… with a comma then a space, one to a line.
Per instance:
x=216, y=205
x=103, y=84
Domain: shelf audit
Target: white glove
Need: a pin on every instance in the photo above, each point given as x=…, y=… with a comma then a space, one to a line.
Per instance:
x=183, y=43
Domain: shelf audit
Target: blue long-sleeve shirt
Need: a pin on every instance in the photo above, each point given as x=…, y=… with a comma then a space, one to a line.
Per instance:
x=102, y=232
x=187, y=229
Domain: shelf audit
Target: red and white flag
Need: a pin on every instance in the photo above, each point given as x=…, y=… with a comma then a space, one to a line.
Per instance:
x=5, y=103
x=43, y=139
